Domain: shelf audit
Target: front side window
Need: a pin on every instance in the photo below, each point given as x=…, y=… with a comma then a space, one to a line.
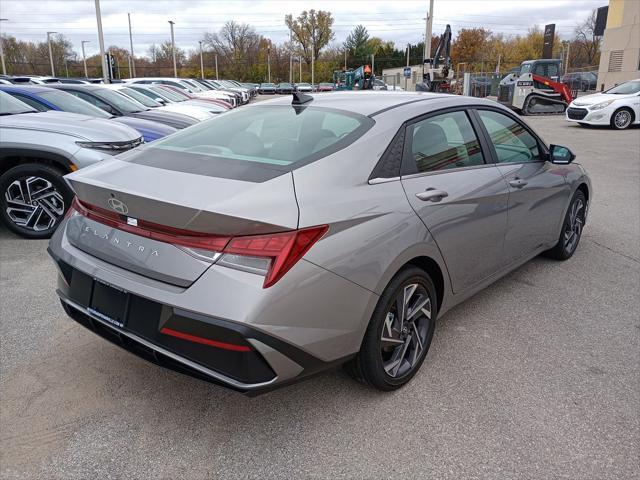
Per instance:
x=444, y=141
x=512, y=142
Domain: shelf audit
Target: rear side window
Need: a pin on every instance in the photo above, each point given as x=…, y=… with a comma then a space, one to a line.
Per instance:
x=444, y=141
x=269, y=135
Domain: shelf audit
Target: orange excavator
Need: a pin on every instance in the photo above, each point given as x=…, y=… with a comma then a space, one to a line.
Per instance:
x=535, y=89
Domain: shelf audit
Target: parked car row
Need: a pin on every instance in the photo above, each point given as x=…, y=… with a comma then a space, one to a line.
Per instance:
x=286, y=88
x=51, y=127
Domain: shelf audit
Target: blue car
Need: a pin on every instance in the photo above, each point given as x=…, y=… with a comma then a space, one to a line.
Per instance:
x=43, y=98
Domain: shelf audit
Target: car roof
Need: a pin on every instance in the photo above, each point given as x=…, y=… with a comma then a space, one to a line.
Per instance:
x=370, y=103
x=26, y=88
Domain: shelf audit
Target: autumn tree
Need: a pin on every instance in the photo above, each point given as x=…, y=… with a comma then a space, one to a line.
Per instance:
x=312, y=31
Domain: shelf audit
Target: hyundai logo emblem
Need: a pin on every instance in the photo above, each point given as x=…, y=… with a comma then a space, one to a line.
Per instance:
x=118, y=206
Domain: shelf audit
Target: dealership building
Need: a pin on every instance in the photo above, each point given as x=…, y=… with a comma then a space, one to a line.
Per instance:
x=620, y=51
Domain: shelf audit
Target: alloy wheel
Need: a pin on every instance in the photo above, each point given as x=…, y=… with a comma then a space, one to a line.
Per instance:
x=622, y=119
x=34, y=203
x=574, y=228
x=404, y=331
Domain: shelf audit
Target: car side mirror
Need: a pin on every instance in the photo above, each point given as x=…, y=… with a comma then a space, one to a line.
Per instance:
x=161, y=101
x=560, y=155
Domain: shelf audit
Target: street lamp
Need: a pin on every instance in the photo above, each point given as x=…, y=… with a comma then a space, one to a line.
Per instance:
x=53, y=72
x=84, y=58
x=4, y=68
x=173, y=50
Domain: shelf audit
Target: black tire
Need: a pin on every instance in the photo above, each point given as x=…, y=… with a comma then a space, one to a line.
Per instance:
x=584, y=87
x=368, y=365
x=622, y=113
x=564, y=250
x=56, y=202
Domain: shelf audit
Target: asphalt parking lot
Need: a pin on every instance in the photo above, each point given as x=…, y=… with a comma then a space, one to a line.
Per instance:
x=536, y=377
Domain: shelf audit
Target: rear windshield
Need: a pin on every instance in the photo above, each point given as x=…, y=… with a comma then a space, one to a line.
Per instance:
x=279, y=136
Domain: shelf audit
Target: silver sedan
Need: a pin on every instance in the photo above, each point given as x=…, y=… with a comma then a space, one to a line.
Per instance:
x=284, y=238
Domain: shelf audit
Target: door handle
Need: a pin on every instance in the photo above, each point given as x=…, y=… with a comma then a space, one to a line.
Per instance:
x=518, y=183
x=432, y=195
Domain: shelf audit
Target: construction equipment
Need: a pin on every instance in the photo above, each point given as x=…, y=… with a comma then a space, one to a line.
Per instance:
x=535, y=89
x=436, y=71
x=360, y=78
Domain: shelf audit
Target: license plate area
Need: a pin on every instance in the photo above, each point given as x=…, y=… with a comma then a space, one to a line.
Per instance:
x=109, y=303
x=102, y=300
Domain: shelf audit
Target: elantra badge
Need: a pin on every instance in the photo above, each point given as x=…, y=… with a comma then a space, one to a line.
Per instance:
x=118, y=205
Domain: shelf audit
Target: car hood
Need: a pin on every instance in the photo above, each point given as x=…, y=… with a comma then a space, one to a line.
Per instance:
x=189, y=110
x=177, y=120
x=141, y=124
x=598, y=98
x=73, y=124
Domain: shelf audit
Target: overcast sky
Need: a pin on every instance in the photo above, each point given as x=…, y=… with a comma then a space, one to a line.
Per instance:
x=400, y=21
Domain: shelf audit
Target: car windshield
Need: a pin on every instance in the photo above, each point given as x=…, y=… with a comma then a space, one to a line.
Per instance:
x=166, y=93
x=274, y=135
x=627, y=88
x=169, y=92
x=121, y=102
x=268, y=85
x=12, y=106
x=140, y=97
x=304, y=85
x=70, y=103
x=525, y=68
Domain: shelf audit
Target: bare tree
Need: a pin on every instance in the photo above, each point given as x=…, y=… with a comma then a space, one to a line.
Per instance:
x=587, y=43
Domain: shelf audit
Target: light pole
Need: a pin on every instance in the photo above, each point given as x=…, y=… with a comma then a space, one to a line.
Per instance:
x=4, y=68
x=132, y=57
x=53, y=72
x=290, y=56
x=201, y=61
x=173, y=50
x=84, y=58
x=105, y=76
x=216, y=66
x=300, y=65
x=345, y=59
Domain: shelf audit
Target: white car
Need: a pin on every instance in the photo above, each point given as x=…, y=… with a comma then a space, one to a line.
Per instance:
x=199, y=113
x=181, y=84
x=619, y=107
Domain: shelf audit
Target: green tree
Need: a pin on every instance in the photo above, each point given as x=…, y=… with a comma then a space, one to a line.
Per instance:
x=357, y=42
x=312, y=31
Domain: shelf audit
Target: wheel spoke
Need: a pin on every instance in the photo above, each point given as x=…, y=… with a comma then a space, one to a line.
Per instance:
x=417, y=307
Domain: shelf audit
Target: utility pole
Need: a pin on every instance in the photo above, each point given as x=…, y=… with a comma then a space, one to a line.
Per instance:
x=66, y=67
x=566, y=64
x=300, y=65
x=345, y=59
x=53, y=71
x=201, y=61
x=173, y=50
x=269, y=64
x=132, y=70
x=498, y=66
x=84, y=58
x=4, y=68
x=313, y=61
x=427, y=40
x=216, y=66
x=105, y=77
x=373, y=65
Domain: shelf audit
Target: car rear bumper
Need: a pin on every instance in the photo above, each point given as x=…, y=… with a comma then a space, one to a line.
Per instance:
x=225, y=353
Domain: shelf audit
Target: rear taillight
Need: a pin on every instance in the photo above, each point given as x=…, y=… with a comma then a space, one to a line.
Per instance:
x=270, y=255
